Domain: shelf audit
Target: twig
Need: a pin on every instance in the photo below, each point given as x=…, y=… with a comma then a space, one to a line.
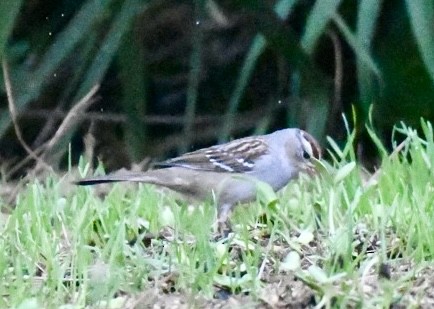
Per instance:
x=119, y=118
x=20, y=164
x=171, y=120
x=89, y=142
x=246, y=122
x=14, y=117
x=338, y=77
x=44, y=149
x=72, y=118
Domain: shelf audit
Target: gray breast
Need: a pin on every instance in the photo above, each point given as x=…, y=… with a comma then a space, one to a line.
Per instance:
x=274, y=171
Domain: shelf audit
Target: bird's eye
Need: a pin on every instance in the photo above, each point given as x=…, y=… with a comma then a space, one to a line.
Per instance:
x=306, y=155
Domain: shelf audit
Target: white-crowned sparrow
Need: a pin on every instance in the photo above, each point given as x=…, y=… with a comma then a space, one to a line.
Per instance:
x=228, y=171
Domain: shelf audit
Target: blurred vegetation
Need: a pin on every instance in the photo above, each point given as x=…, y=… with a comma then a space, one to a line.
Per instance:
x=178, y=75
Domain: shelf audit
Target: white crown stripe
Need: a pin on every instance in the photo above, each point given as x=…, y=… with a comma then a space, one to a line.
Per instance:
x=306, y=144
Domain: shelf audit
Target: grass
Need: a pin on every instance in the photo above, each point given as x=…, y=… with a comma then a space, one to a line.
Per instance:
x=333, y=241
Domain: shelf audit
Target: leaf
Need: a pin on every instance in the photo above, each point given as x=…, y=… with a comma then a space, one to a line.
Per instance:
x=68, y=39
x=249, y=65
x=109, y=47
x=133, y=73
x=282, y=9
x=9, y=10
x=305, y=237
x=266, y=194
x=220, y=250
x=317, y=21
x=361, y=52
x=167, y=218
x=291, y=262
x=29, y=303
x=233, y=282
x=367, y=16
x=193, y=78
x=422, y=22
x=344, y=171
x=103, y=58
x=320, y=167
x=318, y=274
x=243, y=244
x=32, y=83
x=377, y=141
x=335, y=147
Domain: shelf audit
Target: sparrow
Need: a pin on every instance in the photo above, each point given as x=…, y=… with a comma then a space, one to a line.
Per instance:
x=229, y=172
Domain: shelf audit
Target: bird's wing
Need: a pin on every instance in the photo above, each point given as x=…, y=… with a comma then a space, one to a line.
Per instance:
x=238, y=156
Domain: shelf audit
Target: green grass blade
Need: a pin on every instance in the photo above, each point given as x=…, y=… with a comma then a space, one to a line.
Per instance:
x=104, y=57
x=317, y=21
x=283, y=8
x=134, y=79
x=110, y=45
x=422, y=22
x=361, y=53
x=68, y=39
x=32, y=83
x=249, y=65
x=9, y=10
x=367, y=17
x=194, y=77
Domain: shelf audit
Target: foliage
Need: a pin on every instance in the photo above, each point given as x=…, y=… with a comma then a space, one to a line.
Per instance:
x=259, y=65
x=342, y=237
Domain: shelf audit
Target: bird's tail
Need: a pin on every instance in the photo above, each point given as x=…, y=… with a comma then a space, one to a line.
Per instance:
x=117, y=177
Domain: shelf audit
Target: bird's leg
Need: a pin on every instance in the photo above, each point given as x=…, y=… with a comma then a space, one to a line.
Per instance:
x=223, y=224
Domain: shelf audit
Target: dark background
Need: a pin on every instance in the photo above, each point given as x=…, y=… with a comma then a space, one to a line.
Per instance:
x=179, y=75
